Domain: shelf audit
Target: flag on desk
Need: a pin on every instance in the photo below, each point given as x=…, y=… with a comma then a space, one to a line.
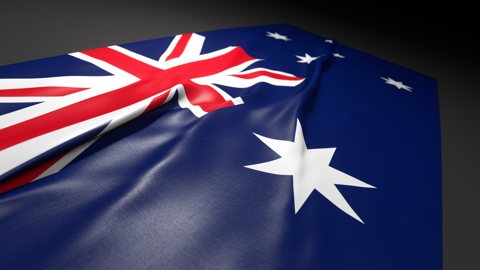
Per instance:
x=253, y=148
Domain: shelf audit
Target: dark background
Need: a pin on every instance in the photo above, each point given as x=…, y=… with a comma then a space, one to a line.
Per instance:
x=435, y=40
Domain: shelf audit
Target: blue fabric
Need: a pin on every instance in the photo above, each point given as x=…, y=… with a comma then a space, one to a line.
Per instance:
x=169, y=190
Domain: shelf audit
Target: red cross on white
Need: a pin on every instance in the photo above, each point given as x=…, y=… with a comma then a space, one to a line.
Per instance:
x=74, y=105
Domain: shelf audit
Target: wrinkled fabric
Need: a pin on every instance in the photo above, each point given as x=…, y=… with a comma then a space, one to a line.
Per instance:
x=169, y=190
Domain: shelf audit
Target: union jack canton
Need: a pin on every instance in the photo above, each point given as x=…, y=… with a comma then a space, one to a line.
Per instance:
x=73, y=107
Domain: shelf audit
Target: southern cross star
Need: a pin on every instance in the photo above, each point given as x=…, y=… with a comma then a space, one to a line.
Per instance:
x=310, y=170
x=277, y=36
x=307, y=58
x=399, y=85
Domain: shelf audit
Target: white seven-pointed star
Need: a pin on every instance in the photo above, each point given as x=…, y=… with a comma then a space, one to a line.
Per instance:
x=277, y=36
x=338, y=55
x=307, y=58
x=397, y=84
x=310, y=170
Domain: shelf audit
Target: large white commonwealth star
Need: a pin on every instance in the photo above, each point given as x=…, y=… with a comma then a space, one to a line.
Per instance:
x=310, y=170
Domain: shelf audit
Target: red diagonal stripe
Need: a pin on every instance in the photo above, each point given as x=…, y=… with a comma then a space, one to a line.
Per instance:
x=47, y=91
x=156, y=102
x=28, y=176
x=273, y=75
x=213, y=65
x=206, y=97
x=180, y=47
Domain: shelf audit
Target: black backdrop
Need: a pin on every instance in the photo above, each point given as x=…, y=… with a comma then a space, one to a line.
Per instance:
x=436, y=40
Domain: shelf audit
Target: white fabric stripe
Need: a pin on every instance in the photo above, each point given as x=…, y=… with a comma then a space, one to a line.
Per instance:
x=233, y=70
x=190, y=54
x=233, y=81
x=193, y=48
x=26, y=99
x=102, y=64
x=171, y=94
x=65, y=81
x=136, y=56
x=184, y=102
x=220, y=91
x=228, y=78
x=65, y=160
x=23, y=152
x=237, y=101
x=180, y=61
x=169, y=49
x=267, y=70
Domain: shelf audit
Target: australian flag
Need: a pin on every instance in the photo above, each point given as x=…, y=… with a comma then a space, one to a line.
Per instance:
x=254, y=148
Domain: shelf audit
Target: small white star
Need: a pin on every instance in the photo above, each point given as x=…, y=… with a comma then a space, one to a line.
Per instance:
x=310, y=170
x=397, y=84
x=307, y=58
x=277, y=36
x=338, y=55
x=329, y=41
